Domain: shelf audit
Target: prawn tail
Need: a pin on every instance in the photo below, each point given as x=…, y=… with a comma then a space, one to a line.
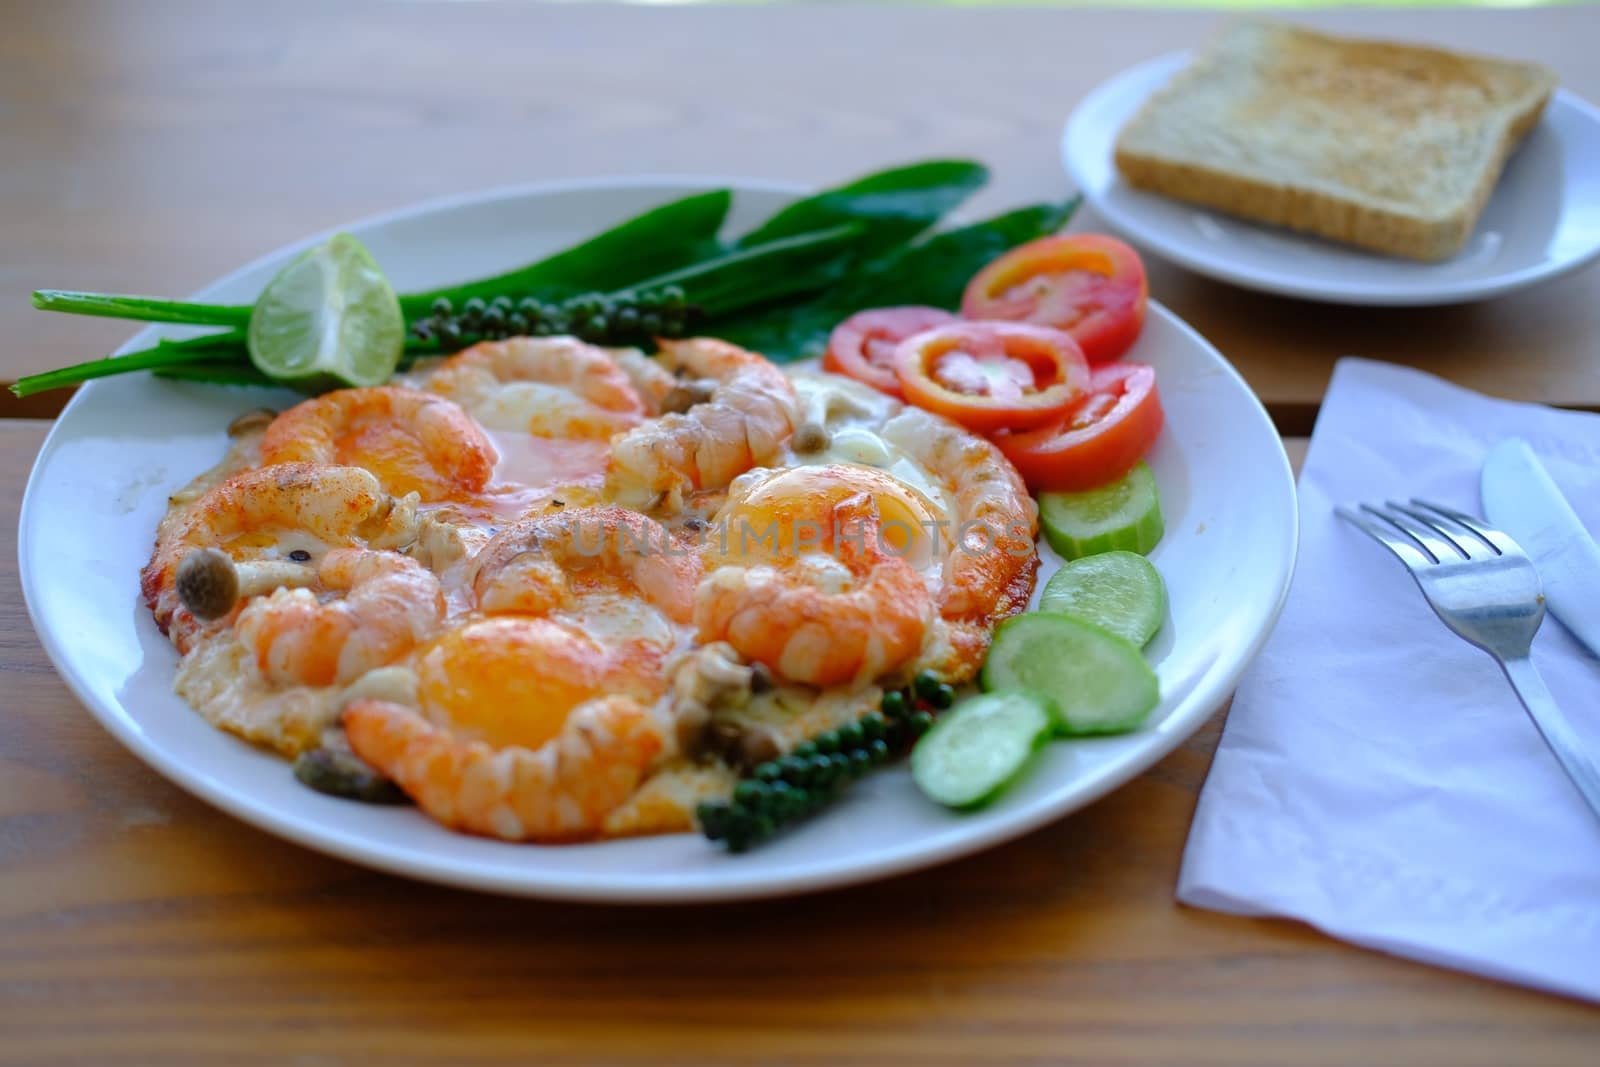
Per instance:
x=562, y=790
x=420, y=758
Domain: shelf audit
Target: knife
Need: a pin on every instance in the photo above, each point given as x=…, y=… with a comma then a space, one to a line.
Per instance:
x=1520, y=498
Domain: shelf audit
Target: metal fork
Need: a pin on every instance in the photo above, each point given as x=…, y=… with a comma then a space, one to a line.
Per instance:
x=1484, y=588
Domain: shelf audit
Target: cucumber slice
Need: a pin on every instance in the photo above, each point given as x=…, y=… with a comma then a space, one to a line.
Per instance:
x=1096, y=682
x=979, y=746
x=1117, y=591
x=1123, y=515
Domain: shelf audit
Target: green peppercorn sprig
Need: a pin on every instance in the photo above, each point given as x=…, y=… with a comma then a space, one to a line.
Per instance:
x=934, y=692
x=788, y=789
x=599, y=318
x=916, y=705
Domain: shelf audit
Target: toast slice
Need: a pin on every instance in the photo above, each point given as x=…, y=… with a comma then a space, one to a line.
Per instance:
x=1389, y=147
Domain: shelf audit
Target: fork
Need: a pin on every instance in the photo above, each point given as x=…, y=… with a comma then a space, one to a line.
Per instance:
x=1485, y=588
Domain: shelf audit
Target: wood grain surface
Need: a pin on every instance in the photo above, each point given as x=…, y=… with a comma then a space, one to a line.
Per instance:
x=138, y=925
x=154, y=146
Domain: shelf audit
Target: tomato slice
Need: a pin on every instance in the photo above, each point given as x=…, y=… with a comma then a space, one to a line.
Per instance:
x=1099, y=440
x=1087, y=284
x=993, y=375
x=863, y=345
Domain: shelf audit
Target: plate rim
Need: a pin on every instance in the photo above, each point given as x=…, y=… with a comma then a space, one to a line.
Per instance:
x=330, y=840
x=1354, y=294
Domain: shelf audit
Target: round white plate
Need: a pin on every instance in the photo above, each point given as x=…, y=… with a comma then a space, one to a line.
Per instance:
x=101, y=481
x=1543, y=219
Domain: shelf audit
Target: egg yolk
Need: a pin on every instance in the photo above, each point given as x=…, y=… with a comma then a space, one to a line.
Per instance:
x=511, y=680
x=791, y=513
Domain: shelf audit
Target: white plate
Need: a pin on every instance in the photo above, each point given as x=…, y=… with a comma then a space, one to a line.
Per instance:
x=100, y=484
x=1543, y=219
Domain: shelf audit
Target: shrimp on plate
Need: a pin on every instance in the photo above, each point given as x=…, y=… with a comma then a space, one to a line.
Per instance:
x=457, y=582
x=738, y=410
x=260, y=529
x=982, y=521
x=281, y=584
x=557, y=387
x=612, y=574
x=524, y=728
x=659, y=388
x=279, y=675
x=989, y=574
x=411, y=440
x=383, y=605
x=539, y=564
x=823, y=619
x=541, y=718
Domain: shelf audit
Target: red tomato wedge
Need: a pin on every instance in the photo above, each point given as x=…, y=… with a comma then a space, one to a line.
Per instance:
x=1099, y=440
x=863, y=345
x=1088, y=285
x=993, y=375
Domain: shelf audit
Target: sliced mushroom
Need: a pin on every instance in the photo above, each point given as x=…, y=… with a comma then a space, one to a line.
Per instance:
x=812, y=434
x=691, y=722
x=706, y=680
x=810, y=438
x=344, y=774
x=722, y=672
x=757, y=743
x=711, y=693
x=738, y=742
x=761, y=679
x=210, y=583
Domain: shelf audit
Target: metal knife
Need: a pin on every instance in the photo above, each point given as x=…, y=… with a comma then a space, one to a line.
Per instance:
x=1520, y=498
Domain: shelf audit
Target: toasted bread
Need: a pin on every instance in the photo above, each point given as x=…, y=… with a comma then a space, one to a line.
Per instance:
x=1389, y=147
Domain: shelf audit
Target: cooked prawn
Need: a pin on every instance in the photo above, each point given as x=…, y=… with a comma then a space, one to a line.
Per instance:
x=818, y=619
x=269, y=514
x=537, y=565
x=562, y=790
x=525, y=729
x=990, y=573
x=657, y=386
x=546, y=386
x=413, y=441
x=390, y=603
x=612, y=574
x=748, y=413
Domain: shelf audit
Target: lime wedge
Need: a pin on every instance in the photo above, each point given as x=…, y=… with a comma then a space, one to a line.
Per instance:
x=329, y=319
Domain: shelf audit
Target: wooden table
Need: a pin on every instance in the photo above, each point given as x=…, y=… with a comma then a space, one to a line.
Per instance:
x=151, y=147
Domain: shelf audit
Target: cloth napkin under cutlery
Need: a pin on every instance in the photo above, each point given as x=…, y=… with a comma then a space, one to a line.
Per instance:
x=1377, y=777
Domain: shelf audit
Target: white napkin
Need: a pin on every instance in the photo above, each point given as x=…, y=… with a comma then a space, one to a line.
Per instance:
x=1377, y=777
